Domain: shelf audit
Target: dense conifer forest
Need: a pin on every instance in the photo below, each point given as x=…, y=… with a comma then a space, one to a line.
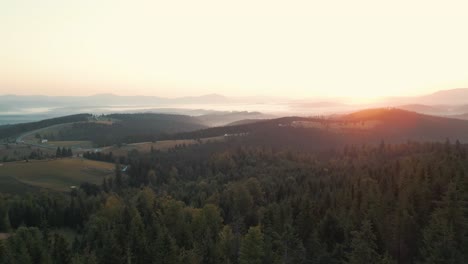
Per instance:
x=224, y=203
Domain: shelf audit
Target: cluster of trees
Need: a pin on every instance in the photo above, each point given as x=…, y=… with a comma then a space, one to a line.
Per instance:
x=63, y=152
x=30, y=245
x=99, y=156
x=35, y=154
x=222, y=203
x=38, y=154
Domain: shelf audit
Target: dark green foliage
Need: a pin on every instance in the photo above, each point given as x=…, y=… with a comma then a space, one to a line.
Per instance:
x=445, y=237
x=221, y=203
x=251, y=251
x=363, y=245
x=26, y=246
x=63, y=152
x=60, y=250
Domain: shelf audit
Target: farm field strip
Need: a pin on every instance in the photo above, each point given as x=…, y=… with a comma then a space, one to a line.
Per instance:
x=56, y=175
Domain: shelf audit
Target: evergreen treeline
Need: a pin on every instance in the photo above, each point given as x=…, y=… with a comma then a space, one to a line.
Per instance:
x=405, y=203
x=63, y=152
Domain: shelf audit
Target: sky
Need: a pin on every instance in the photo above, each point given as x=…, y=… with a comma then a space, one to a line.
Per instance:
x=297, y=49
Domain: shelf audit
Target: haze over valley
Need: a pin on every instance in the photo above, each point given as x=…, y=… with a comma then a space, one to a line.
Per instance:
x=17, y=109
x=233, y=132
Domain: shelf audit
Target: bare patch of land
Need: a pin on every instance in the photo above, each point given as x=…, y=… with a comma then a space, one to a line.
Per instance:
x=163, y=145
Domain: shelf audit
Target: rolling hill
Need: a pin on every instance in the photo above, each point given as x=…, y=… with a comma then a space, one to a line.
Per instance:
x=369, y=126
x=101, y=130
x=8, y=131
x=443, y=97
x=225, y=118
x=128, y=128
x=398, y=125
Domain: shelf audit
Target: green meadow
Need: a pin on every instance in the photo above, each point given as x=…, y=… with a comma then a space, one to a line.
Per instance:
x=58, y=175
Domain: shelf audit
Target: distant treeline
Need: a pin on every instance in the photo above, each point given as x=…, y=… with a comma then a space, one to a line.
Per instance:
x=107, y=157
x=63, y=152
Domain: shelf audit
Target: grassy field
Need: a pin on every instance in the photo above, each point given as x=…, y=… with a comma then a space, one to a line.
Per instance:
x=337, y=126
x=70, y=144
x=163, y=145
x=19, y=151
x=30, y=137
x=53, y=130
x=59, y=175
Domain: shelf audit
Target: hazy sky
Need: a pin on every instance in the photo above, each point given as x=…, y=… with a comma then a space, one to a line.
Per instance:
x=276, y=48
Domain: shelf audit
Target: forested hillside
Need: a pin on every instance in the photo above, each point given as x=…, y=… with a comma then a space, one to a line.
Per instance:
x=7, y=131
x=129, y=128
x=363, y=127
x=226, y=203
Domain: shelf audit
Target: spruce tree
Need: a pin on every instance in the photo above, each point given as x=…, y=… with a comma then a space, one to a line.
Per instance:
x=251, y=251
x=363, y=245
x=60, y=250
x=445, y=239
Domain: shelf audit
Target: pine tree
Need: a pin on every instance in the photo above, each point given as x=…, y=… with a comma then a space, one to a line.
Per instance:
x=292, y=248
x=104, y=185
x=251, y=251
x=64, y=152
x=227, y=245
x=363, y=245
x=60, y=251
x=445, y=239
x=118, y=176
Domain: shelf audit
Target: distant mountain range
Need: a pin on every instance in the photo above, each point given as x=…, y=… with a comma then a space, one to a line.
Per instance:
x=450, y=103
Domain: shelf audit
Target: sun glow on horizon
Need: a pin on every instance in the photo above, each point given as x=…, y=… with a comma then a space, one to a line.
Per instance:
x=359, y=49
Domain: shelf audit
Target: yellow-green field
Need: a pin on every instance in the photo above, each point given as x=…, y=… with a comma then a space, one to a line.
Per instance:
x=337, y=126
x=163, y=145
x=70, y=144
x=59, y=175
x=31, y=136
x=19, y=151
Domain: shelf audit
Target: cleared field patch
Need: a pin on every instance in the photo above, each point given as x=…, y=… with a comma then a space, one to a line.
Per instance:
x=337, y=126
x=4, y=236
x=163, y=145
x=104, y=122
x=70, y=144
x=56, y=175
x=20, y=151
x=31, y=138
x=9, y=184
